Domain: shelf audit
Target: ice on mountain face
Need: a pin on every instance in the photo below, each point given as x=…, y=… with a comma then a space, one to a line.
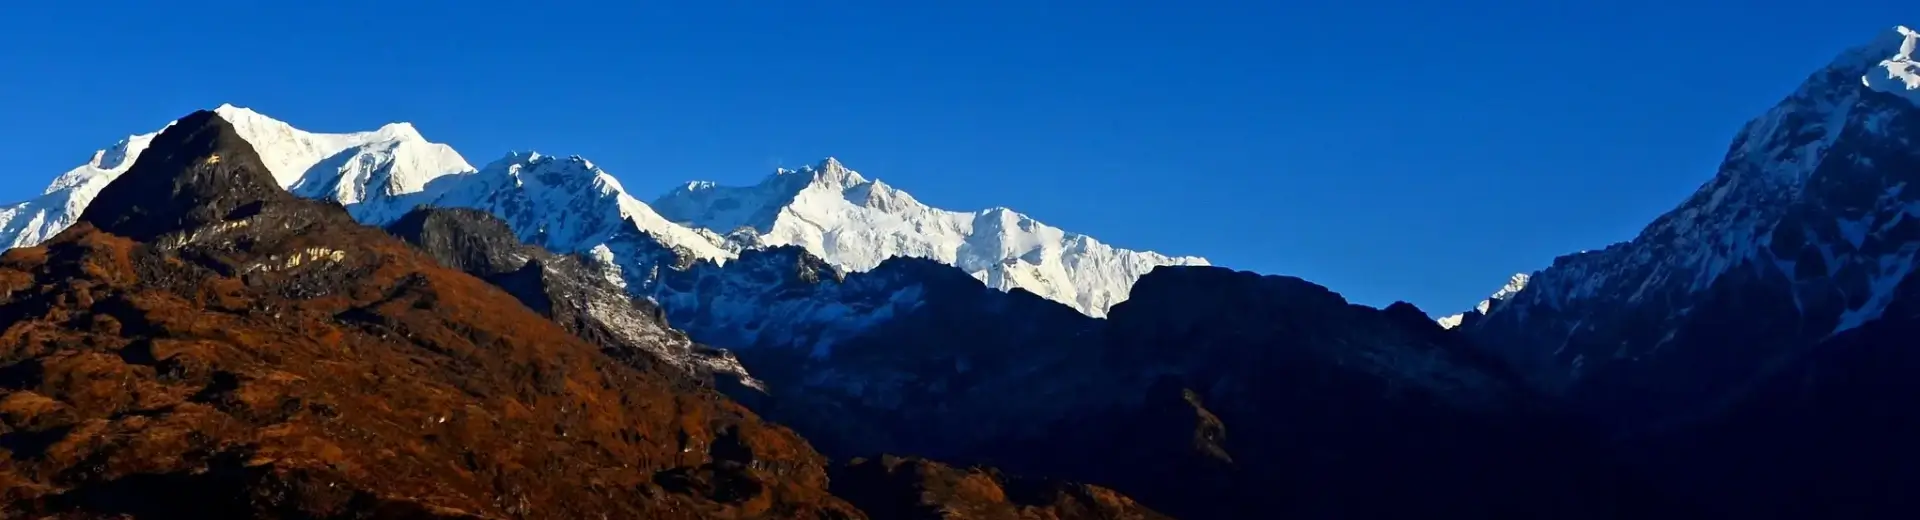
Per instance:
x=855, y=223
x=1901, y=76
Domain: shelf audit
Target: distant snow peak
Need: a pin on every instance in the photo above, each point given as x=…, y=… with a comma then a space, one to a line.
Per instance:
x=1900, y=74
x=855, y=223
x=1515, y=284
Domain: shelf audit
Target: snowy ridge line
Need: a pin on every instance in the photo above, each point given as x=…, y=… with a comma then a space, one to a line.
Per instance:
x=855, y=223
x=569, y=205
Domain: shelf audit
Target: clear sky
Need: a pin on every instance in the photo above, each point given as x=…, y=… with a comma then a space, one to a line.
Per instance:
x=1418, y=151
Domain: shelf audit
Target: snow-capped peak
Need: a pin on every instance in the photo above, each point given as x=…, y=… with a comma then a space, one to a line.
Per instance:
x=1514, y=285
x=855, y=223
x=566, y=204
x=1901, y=74
x=392, y=161
x=830, y=171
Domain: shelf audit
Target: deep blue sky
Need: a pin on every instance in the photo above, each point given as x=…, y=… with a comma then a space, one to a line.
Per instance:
x=1419, y=151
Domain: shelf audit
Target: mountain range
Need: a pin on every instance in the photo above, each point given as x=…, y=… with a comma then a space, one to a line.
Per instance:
x=304, y=301
x=201, y=343
x=569, y=205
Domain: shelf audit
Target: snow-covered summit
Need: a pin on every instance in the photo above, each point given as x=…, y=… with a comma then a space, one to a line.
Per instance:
x=855, y=223
x=391, y=161
x=289, y=153
x=570, y=205
x=1900, y=75
x=565, y=204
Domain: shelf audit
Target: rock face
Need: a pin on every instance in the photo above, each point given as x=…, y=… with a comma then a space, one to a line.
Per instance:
x=1208, y=394
x=1802, y=235
x=1753, y=345
x=1827, y=436
x=198, y=174
x=571, y=291
x=208, y=346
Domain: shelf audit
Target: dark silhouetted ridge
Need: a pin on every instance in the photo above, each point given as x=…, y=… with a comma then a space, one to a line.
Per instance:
x=197, y=171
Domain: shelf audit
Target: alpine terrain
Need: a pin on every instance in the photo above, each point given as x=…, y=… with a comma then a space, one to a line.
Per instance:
x=855, y=223
x=568, y=205
x=1769, y=313
x=201, y=343
x=234, y=318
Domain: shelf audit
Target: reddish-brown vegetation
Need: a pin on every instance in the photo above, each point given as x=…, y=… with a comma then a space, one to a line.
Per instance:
x=404, y=383
x=893, y=487
x=203, y=345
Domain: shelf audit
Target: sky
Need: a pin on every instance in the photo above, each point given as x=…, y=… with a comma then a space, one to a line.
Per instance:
x=1416, y=151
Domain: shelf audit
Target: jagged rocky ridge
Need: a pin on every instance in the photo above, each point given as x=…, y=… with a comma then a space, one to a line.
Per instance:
x=1754, y=343
x=568, y=205
x=570, y=290
x=1333, y=410
x=203, y=344
x=1802, y=235
x=1208, y=394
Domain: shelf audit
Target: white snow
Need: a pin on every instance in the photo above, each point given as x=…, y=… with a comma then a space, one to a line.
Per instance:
x=392, y=161
x=1514, y=285
x=570, y=205
x=34, y=221
x=856, y=223
x=1902, y=74
x=566, y=204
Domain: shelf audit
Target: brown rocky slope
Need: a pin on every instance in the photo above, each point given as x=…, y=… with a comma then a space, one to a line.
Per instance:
x=204, y=345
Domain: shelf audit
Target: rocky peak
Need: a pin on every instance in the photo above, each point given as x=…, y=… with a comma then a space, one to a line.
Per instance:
x=569, y=290
x=196, y=172
x=469, y=240
x=1801, y=234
